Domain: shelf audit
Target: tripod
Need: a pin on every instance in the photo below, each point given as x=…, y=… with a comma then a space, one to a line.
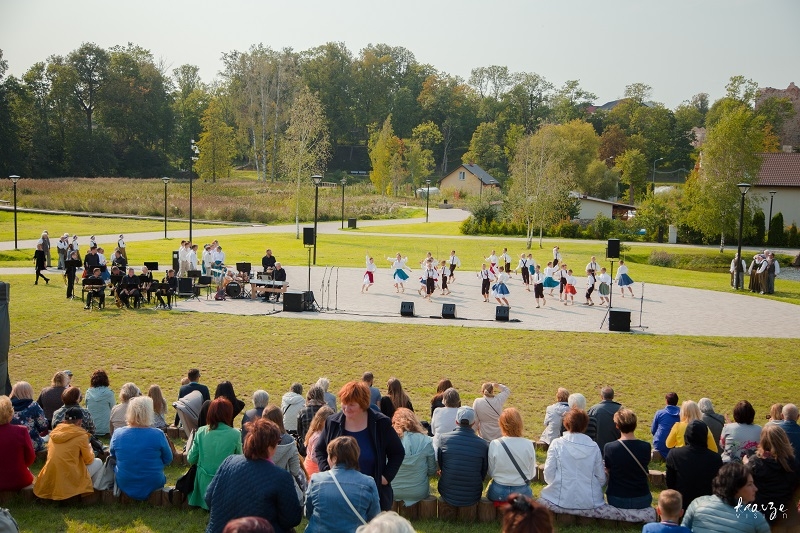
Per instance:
x=641, y=307
x=610, y=294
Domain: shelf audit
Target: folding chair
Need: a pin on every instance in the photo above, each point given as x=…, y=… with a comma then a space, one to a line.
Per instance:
x=204, y=282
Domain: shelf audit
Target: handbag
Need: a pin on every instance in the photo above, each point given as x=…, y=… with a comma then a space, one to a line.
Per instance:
x=514, y=462
x=107, y=477
x=349, y=503
x=185, y=483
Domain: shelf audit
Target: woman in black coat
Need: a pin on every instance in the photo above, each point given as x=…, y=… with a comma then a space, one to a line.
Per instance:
x=40, y=262
x=225, y=390
x=381, y=449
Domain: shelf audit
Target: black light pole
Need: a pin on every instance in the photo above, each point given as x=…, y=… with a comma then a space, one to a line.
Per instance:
x=427, y=199
x=165, y=179
x=654, y=172
x=195, y=157
x=343, y=182
x=317, y=179
x=771, y=198
x=743, y=188
x=14, y=180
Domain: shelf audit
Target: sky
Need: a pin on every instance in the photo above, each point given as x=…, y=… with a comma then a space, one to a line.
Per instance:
x=678, y=47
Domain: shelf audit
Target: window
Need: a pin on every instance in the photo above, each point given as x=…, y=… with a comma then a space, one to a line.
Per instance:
x=462, y=175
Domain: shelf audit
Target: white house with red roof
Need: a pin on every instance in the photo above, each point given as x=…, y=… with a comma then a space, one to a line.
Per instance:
x=780, y=172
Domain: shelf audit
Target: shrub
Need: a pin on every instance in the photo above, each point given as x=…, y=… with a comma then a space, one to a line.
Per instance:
x=661, y=259
x=567, y=229
x=600, y=227
x=793, y=239
x=777, y=235
x=759, y=223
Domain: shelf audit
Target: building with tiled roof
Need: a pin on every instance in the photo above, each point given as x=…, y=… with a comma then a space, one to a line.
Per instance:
x=469, y=178
x=780, y=172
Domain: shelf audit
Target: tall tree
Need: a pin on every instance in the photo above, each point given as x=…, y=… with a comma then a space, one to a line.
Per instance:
x=90, y=64
x=382, y=149
x=571, y=101
x=632, y=166
x=419, y=152
x=216, y=144
x=486, y=150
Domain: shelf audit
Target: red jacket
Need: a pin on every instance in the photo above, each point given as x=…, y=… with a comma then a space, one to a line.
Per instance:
x=16, y=455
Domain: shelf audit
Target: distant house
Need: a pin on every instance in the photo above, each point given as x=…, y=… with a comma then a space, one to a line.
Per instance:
x=470, y=178
x=780, y=172
x=591, y=207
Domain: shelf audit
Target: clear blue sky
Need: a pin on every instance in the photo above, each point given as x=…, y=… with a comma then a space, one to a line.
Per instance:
x=679, y=47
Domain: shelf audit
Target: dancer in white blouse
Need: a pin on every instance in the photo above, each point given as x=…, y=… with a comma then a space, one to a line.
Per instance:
x=605, y=287
x=399, y=268
x=492, y=260
x=569, y=287
x=623, y=279
x=549, y=280
x=369, y=275
x=500, y=289
x=556, y=256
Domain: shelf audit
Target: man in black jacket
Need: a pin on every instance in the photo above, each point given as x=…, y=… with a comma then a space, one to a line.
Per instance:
x=463, y=459
x=691, y=468
x=279, y=274
x=602, y=414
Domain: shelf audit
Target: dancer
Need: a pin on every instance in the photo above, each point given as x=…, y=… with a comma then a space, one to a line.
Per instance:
x=526, y=276
x=444, y=274
x=549, y=281
x=590, y=281
x=369, y=275
x=500, y=290
x=531, y=264
x=569, y=287
x=556, y=256
x=430, y=276
x=561, y=277
x=624, y=280
x=428, y=257
x=492, y=260
x=605, y=287
x=39, y=260
x=399, y=271
x=455, y=262
x=592, y=265
x=538, y=279
x=486, y=277
x=506, y=261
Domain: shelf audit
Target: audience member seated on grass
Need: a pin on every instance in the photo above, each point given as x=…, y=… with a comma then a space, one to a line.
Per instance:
x=381, y=450
x=438, y=398
x=315, y=399
x=29, y=414
x=260, y=401
x=602, y=414
x=691, y=468
x=286, y=455
x=554, y=415
x=670, y=511
x=291, y=404
x=99, y=401
x=412, y=482
x=141, y=451
x=251, y=484
x=577, y=400
x=626, y=462
x=50, y=397
x=718, y=513
x=213, y=444
x=159, y=407
x=312, y=436
x=512, y=459
x=395, y=399
x=740, y=437
x=224, y=390
x=16, y=450
x=444, y=418
x=574, y=470
x=248, y=524
x=790, y=426
x=71, y=466
x=521, y=514
x=713, y=420
x=72, y=398
x=119, y=413
x=387, y=522
x=374, y=392
x=775, y=413
x=488, y=408
x=330, y=398
x=689, y=412
x=774, y=468
x=463, y=459
x=324, y=506
x=194, y=385
x=663, y=421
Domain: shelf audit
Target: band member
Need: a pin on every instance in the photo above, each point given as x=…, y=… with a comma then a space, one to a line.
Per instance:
x=91, y=260
x=279, y=274
x=569, y=287
x=40, y=262
x=538, y=278
x=556, y=256
x=605, y=287
x=119, y=260
x=97, y=291
x=69, y=273
x=592, y=265
x=500, y=290
x=590, y=281
x=399, y=268
x=444, y=275
x=492, y=260
x=454, y=262
x=129, y=288
x=526, y=275
x=486, y=277
x=172, y=287
x=506, y=259
x=369, y=275
x=145, y=282
x=624, y=280
x=121, y=246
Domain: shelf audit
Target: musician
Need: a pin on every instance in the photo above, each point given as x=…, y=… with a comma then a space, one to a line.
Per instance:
x=70, y=274
x=145, y=281
x=91, y=260
x=119, y=260
x=129, y=287
x=172, y=281
x=97, y=291
x=230, y=275
x=103, y=265
x=279, y=274
x=114, y=280
x=268, y=262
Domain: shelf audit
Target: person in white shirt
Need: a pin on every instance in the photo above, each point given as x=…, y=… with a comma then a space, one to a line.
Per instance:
x=369, y=275
x=399, y=271
x=569, y=288
x=605, y=287
x=526, y=275
x=191, y=258
x=62, y=246
x=592, y=265
x=207, y=260
x=512, y=459
x=454, y=263
x=500, y=289
x=561, y=277
x=218, y=257
x=550, y=281
x=444, y=273
x=101, y=258
x=556, y=256
x=430, y=275
x=92, y=242
x=486, y=277
x=181, y=258
x=623, y=279
x=538, y=280
x=737, y=277
x=590, y=281
x=492, y=260
x=443, y=419
x=506, y=261
x=488, y=408
x=121, y=246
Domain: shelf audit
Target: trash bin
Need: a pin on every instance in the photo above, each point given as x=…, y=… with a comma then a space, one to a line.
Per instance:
x=351, y=223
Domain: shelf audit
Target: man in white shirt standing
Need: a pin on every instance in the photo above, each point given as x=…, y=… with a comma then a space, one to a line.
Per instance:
x=191, y=258
x=61, y=246
x=506, y=258
x=454, y=263
x=181, y=259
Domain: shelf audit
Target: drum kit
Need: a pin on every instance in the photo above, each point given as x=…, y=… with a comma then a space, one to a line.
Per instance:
x=233, y=289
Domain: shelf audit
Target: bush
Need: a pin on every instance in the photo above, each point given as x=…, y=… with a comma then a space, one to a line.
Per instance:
x=661, y=259
x=759, y=223
x=601, y=227
x=777, y=234
x=567, y=229
x=793, y=239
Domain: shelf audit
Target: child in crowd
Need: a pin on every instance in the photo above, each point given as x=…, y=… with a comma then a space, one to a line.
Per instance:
x=445, y=272
x=670, y=510
x=590, y=281
x=605, y=287
x=486, y=278
x=569, y=290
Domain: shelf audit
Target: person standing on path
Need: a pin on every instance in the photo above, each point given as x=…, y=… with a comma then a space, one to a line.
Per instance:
x=537, y=279
x=500, y=289
x=39, y=261
x=506, y=261
x=399, y=271
x=624, y=280
x=444, y=275
x=526, y=275
x=369, y=275
x=61, y=247
x=492, y=260
x=45, y=242
x=121, y=246
x=556, y=256
x=486, y=276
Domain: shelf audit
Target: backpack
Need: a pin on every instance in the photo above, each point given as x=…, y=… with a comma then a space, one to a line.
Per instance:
x=220, y=295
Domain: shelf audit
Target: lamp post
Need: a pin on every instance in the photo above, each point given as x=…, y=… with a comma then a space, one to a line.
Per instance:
x=165, y=179
x=317, y=179
x=195, y=157
x=654, y=172
x=771, y=198
x=427, y=199
x=14, y=180
x=343, y=182
x=743, y=188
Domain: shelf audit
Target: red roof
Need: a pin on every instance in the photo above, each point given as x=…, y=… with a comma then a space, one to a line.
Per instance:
x=779, y=169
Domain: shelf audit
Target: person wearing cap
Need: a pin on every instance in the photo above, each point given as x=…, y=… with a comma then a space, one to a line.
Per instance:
x=463, y=459
x=61, y=247
x=71, y=466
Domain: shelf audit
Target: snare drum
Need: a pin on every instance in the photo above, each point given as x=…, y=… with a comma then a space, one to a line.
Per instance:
x=233, y=289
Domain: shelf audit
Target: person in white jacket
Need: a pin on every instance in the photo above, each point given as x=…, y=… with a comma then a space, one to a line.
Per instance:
x=574, y=470
x=554, y=415
x=291, y=404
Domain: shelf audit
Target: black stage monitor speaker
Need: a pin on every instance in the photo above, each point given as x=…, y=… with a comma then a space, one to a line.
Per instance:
x=293, y=301
x=501, y=313
x=185, y=285
x=243, y=267
x=612, y=252
x=151, y=265
x=448, y=310
x=407, y=308
x=619, y=320
x=308, y=236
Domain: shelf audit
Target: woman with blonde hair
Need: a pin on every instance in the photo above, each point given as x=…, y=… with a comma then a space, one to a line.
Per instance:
x=312, y=435
x=159, y=407
x=119, y=412
x=29, y=414
x=512, y=459
x=396, y=398
x=488, y=408
x=412, y=482
x=689, y=411
x=774, y=468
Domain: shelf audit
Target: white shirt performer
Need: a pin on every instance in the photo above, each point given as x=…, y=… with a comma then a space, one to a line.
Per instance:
x=623, y=279
x=369, y=274
x=492, y=260
x=605, y=286
x=121, y=246
x=506, y=260
x=454, y=262
x=399, y=268
x=556, y=256
x=592, y=265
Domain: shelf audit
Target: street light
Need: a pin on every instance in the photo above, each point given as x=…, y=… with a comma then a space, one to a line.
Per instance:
x=343, y=182
x=165, y=179
x=743, y=188
x=654, y=172
x=14, y=180
x=317, y=179
x=195, y=157
x=427, y=199
x=771, y=198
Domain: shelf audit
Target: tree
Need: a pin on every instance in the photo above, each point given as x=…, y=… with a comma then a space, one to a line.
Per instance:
x=419, y=152
x=599, y=181
x=632, y=166
x=486, y=150
x=777, y=233
x=216, y=144
x=382, y=148
x=658, y=211
x=90, y=66
x=613, y=142
x=570, y=102
x=306, y=149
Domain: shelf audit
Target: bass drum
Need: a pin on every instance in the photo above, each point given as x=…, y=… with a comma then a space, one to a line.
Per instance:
x=233, y=289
